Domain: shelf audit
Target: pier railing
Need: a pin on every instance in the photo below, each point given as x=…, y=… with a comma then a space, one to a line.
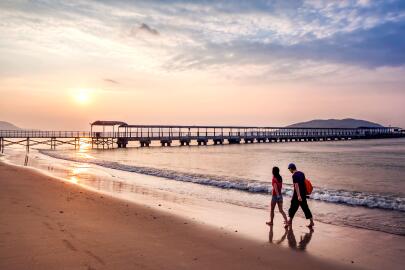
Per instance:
x=210, y=132
x=44, y=134
x=145, y=134
x=175, y=132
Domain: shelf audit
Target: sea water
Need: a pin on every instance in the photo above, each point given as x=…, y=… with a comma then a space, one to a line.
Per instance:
x=358, y=183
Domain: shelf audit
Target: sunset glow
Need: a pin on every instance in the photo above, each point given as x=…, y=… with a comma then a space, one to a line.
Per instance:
x=82, y=96
x=201, y=62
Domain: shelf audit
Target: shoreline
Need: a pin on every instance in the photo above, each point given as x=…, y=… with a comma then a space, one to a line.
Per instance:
x=47, y=223
x=81, y=171
x=261, y=187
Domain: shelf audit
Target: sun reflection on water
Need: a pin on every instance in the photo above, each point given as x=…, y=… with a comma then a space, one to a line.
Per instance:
x=78, y=173
x=74, y=179
x=84, y=148
x=84, y=145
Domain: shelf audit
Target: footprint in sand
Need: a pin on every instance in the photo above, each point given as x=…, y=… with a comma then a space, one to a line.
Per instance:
x=47, y=225
x=91, y=254
x=61, y=226
x=69, y=245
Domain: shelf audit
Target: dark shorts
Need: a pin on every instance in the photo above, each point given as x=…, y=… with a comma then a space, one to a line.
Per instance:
x=276, y=199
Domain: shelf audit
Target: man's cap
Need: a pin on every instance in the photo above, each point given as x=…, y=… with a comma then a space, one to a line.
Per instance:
x=292, y=166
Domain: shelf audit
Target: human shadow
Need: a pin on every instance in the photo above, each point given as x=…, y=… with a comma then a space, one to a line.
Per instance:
x=304, y=240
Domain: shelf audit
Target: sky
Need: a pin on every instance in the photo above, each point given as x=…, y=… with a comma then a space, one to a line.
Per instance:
x=64, y=64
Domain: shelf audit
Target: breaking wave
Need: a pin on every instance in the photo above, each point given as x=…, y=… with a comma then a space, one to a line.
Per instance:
x=353, y=198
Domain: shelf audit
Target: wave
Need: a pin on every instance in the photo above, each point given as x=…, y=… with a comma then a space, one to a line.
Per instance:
x=353, y=198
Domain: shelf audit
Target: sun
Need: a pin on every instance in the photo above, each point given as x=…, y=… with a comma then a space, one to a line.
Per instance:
x=82, y=96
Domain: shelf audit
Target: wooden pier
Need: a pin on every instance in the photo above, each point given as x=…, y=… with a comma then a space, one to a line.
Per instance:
x=116, y=134
x=203, y=135
x=30, y=138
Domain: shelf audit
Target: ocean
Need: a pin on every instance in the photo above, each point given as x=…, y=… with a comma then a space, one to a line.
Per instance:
x=359, y=183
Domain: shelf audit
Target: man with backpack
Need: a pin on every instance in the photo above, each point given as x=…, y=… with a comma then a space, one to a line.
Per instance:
x=299, y=197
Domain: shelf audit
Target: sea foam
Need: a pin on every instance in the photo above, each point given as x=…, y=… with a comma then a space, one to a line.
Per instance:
x=353, y=198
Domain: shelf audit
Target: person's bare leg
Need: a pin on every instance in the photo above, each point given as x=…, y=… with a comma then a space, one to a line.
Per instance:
x=289, y=222
x=272, y=206
x=280, y=208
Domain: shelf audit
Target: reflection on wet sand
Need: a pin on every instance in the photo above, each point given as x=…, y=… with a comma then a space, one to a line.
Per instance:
x=118, y=187
x=78, y=173
x=292, y=241
x=271, y=235
x=82, y=175
x=304, y=240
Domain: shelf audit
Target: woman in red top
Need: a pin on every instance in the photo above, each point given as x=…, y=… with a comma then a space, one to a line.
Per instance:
x=277, y=196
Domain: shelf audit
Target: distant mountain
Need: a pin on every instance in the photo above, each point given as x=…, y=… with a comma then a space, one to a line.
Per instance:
x=335, y=123
x=8, y=126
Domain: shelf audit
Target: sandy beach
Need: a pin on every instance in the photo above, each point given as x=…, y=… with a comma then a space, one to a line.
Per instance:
x=46, y=223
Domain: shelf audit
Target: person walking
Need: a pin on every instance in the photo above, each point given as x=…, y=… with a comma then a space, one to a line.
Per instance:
x=277, y=196
x=299, y=198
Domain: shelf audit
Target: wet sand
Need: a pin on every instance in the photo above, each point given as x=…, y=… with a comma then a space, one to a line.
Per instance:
x=50, y=224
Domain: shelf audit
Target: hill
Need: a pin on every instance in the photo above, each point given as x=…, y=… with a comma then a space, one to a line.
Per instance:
x=335, y=123
x=8, y=126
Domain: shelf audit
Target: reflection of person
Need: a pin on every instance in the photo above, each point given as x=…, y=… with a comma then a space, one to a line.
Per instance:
x=271, y=234
x=26, y=160
x=305, y=240
x=292, y=242
x=299, y=198
x=277, y=196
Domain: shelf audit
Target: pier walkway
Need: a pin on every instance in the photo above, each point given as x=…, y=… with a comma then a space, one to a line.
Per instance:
x=120, y=134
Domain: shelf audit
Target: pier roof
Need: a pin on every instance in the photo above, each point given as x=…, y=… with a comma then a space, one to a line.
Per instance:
x=248, y=127
x=108, y=123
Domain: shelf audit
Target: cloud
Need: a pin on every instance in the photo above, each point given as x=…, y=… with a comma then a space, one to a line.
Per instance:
x=144, y=29
x=111, y=81
x=383, y=45
x=147, y=28
x=209, y=34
